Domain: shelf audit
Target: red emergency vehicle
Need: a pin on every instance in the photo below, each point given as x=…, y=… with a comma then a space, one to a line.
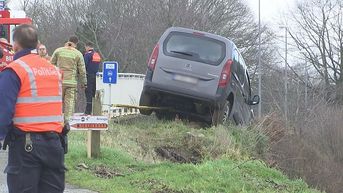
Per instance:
x=6, y=26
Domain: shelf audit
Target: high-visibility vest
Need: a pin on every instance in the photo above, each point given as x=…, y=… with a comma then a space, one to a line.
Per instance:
x=39, y=102
x=96, y=58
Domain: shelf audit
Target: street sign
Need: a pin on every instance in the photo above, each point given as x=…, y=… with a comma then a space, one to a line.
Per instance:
x=88, y=123
x=110, y=72
x=2, y=5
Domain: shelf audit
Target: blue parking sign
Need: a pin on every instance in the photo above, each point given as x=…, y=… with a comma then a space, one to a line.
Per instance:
x=110, y=72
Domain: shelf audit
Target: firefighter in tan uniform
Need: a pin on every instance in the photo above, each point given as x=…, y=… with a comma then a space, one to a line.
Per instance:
x=72, y=64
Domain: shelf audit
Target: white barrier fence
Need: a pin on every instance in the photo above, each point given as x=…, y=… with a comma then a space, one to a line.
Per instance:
x=127, y=91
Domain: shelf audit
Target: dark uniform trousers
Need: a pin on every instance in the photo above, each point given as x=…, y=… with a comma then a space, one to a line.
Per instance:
x=90, y=92
x=39, y=171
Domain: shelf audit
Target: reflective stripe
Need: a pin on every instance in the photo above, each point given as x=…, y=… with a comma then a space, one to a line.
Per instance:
x=47, y=99
x=31, y=76
x=43, y=119
x=69, y=82
x=59, y=81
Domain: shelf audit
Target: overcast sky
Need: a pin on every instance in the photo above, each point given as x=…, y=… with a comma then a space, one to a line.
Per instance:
x=274, y=13
x=271, y=10
x=14, y=4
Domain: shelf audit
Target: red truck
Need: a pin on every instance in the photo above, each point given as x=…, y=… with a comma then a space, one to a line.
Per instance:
x=6, y=27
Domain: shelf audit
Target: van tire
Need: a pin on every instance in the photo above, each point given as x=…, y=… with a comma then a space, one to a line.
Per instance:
x=145, y=100
x=221, y=116
x=165, y=115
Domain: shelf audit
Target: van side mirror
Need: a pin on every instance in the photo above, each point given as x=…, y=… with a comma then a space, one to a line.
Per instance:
x=255, y=100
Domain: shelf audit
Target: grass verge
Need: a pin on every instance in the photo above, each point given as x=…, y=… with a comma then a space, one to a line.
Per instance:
x=214, y=160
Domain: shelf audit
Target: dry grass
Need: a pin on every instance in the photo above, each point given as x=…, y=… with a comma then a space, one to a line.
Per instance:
x=323, y=127
x=311, y=148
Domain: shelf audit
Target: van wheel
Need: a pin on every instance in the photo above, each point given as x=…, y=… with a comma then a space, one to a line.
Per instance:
x=221, y=116
x=145, y=100
x=165, y=115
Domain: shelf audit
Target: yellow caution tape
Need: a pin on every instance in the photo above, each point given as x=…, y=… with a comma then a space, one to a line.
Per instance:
x=141, y=107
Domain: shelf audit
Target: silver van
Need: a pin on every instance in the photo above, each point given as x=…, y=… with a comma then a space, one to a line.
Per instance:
x=197, y=75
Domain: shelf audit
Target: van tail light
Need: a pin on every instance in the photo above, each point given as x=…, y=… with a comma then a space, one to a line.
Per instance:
x=225, y=75
x=153, y=58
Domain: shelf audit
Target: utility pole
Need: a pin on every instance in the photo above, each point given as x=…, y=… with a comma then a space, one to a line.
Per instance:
x=259, y=61
x=306, y=79
x=306, y=82
x=286, y=76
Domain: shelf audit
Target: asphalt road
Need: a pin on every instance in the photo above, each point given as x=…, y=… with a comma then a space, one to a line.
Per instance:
x=3, y=162
x=3, y=186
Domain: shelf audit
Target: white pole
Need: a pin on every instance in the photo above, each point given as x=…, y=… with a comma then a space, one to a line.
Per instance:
x=286, y=78
x=306, y=84
x=109, y=102
x=110, y=99
x=259, y=61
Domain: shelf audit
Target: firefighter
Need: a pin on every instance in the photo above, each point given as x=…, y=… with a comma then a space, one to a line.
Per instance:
x=31, y=118
x=5, y=48
x=42, y=52
x=72, y=64
x=92, y=61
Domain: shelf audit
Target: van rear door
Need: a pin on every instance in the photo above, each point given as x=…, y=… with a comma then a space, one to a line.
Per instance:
x=191, y=62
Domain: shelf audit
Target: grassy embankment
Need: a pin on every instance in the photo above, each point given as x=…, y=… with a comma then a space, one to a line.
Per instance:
x=146, y=155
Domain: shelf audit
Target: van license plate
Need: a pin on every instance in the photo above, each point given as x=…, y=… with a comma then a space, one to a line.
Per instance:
x=185, y=79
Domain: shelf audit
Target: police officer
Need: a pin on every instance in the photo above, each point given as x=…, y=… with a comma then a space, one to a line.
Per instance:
x=31, y=118
x=92, y=61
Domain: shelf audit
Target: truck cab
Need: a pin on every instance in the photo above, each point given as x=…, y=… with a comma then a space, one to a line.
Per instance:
x=8, y=21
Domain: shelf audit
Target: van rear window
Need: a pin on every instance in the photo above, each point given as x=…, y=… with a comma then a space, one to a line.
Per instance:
x=194, y=47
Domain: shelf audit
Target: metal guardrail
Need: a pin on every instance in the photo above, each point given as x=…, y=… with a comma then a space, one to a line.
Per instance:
x=115, y=111
x=126, y=75
x=120, y=112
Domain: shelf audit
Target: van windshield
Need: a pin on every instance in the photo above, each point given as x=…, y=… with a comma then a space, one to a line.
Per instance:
x=194, y=47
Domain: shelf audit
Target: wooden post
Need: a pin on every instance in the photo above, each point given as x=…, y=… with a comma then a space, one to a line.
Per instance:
x=93, y=143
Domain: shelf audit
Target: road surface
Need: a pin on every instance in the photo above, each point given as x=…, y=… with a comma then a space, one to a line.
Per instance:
x=3, y=187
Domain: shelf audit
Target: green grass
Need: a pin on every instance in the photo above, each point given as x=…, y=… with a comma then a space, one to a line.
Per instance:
x=128, y=150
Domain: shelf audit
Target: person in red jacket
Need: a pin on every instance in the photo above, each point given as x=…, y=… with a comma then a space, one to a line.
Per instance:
x=31, y=118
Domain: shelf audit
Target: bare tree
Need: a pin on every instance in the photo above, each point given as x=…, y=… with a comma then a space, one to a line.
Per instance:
x=126, y=30
x=319, y=33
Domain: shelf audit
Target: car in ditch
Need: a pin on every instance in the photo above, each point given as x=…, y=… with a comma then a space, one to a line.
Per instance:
x=197, y=75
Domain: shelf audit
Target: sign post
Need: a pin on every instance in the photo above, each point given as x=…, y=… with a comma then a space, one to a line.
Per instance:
x=110, y=76
x=93, y=142
x=94, y=125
